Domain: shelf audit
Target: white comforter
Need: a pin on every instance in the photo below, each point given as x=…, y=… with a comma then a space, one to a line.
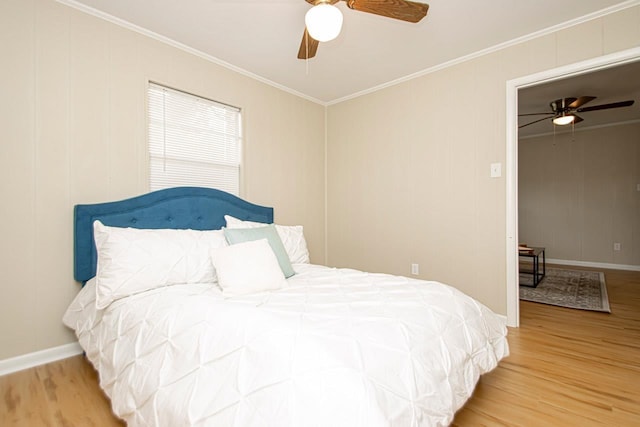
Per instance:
x=337, y=347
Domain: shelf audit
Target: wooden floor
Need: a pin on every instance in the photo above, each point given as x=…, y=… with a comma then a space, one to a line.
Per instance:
x=566, y=368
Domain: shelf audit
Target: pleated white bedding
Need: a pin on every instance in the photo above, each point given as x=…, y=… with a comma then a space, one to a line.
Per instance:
x=338, y=347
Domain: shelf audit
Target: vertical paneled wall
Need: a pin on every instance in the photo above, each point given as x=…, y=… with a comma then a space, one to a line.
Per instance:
x=408, y=167
x=73, y=111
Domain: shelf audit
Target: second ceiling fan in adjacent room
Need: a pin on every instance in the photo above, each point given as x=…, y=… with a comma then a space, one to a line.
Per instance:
x=563, y=111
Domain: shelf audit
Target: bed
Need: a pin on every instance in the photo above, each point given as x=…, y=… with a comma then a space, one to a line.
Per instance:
x=325, y=347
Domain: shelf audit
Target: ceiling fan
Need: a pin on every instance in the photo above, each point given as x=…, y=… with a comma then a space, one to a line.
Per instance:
x=397, y=9
x=563, y=110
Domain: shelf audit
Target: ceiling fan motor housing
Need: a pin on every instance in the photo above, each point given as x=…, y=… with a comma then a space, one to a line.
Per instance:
x=562, y=105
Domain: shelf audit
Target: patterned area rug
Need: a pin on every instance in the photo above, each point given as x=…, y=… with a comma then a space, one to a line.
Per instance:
x=585, y=290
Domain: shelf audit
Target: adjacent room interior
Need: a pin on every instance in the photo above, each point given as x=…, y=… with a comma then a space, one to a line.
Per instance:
x=577, y=185
x=577, y=189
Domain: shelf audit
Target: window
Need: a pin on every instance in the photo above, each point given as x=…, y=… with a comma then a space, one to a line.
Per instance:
x=193, y=141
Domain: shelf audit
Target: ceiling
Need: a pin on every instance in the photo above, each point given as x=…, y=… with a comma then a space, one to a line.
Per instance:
x=610, y=85
x=261, y=37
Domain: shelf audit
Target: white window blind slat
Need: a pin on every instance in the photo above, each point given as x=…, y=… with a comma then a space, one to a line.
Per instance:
x=193, y=141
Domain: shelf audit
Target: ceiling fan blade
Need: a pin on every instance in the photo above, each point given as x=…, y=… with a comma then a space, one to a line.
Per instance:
x=577, y=119
x=397, y=9
x=581, y=101
x=308, y=46
x=536, y=114
x=535, y=121
x=606, y=106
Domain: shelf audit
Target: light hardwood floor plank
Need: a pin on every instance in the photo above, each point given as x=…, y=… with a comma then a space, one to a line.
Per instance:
x=60, y=394
x=566, y=368
x=23, y=400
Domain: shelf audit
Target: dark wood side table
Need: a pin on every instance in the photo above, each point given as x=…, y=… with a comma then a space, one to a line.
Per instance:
x=534, y=254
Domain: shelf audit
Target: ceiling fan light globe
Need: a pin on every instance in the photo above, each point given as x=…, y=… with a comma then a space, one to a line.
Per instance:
x=324, y=22
x=563, y=120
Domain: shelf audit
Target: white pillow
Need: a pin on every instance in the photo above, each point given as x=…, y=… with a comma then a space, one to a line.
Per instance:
x=292, y=237
x=247, y=268
x=132, y=260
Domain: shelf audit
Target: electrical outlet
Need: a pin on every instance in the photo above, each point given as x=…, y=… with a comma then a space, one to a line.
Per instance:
x=415, y=269
x=616, y=246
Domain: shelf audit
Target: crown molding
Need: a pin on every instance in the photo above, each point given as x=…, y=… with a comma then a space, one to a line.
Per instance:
x=492, y=49
x=573, y=22
x=166, y=40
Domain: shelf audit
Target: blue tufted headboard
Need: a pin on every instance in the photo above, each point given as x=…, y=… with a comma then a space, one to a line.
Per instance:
x=181, y=207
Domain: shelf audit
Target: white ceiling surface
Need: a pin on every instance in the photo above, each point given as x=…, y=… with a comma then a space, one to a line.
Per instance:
x=262, y=37
x=610, y=85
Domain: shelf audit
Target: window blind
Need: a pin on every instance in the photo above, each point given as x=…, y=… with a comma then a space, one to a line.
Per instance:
x=193, y=141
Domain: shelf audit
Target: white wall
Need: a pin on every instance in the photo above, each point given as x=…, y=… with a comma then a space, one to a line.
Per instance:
x=577, y=194
x=72, y=105
x=408, y=166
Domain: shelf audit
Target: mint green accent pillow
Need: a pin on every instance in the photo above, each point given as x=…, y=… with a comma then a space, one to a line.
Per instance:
x=240, y=235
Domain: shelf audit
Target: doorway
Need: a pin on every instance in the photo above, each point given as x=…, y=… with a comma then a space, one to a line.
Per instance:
x=511, y=166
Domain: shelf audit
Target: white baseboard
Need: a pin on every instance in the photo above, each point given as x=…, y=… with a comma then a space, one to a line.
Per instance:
x=594, y=264
x=503, y=317
x=29, y=360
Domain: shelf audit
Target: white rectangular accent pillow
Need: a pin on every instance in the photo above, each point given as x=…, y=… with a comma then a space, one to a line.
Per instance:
x=248, y=267
x=132, y=260
x=292, y=237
